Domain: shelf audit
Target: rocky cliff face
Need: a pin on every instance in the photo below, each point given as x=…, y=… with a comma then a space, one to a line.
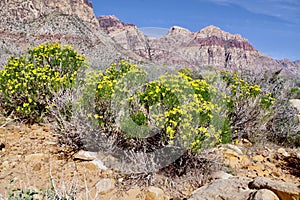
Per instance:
x=18, y=11
x=126, y=35
x=32, y=22
x=209, y=46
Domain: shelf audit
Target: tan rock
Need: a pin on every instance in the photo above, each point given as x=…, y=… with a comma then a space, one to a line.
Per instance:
x=35, y=127
x=221, y=175
x=265, y=195
x=237, y=161
x=35, y=157
x=37, y=167
x=155, y=193
x=245, y=142
x=84, y=156
x=90, y=166
x=283, y=152
x=258, y=158
x=5, y=164
x=234, y=148
x=105, y=185
x=235, y=188
x=134, y=194
x=286, y=191
x=257, y=167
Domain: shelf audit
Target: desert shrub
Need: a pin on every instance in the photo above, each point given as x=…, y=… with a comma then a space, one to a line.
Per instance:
x=181, y=108
x=249, y=106
x=265, y=113
x=175, y=109
x=27, y=81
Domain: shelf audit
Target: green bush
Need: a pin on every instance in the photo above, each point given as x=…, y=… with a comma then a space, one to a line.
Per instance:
x=175, y=104
x=295, y=92
x=180, y=108
x=249, y=106
x=28, y=82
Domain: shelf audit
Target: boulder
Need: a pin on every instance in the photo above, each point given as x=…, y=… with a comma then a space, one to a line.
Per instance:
x=264, y=195
x=286, y=191
x=235, y=188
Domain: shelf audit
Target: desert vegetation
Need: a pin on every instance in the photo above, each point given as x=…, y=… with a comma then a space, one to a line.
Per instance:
x=148, y=121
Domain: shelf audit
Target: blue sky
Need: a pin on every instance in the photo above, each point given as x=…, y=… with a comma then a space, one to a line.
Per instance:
x=271, y=26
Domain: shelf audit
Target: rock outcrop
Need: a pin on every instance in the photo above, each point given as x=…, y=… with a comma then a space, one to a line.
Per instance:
x=30, y=23
x=283, y=190
x=17, y=11
x=240, y=188
x=210, y=46
x=126, y=35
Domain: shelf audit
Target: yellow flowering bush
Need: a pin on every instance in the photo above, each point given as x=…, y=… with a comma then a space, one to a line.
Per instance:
x=249, y=106
x=181, y=107
x=28, y=81
x=99, y=90
x=175, y=104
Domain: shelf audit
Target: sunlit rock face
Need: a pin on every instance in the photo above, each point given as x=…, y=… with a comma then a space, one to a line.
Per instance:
x=18, y=11
x=210, y=46
x=32, y=22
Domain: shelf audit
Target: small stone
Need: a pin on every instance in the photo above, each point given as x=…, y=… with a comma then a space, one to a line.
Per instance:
x=235, y=148
x=51, y=143
x=275, y=174
x=105, y=185
x=283, y=152
x=5, y=164
x=84, y=156
x=120, y=180
x=37, y=167
x=246, y=142
x=265, y=194
x=155, y=193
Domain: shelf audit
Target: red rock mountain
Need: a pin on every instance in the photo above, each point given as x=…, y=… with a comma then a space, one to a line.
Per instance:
x=209, y=46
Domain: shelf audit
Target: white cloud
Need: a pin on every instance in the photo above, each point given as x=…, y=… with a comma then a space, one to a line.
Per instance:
x=288, y=10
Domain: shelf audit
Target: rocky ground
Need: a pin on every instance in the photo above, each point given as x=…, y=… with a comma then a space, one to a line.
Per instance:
x=30, y=158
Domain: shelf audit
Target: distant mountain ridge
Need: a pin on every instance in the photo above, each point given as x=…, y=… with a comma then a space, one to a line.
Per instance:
x=209, y=46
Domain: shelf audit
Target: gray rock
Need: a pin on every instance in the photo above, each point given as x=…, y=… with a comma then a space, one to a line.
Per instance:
x=296, y=103
x=221, y=175
x=286, y=191
x=235, y=188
